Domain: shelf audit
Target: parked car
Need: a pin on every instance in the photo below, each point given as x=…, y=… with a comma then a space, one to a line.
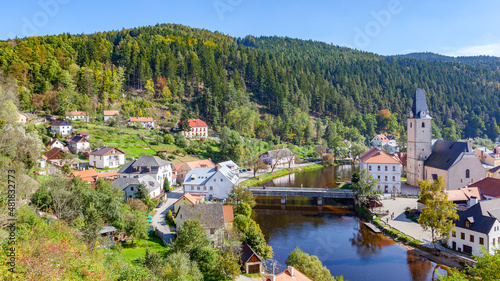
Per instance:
x=159, y=204
x=244, y=170
x=249, y=170
x=241, y=171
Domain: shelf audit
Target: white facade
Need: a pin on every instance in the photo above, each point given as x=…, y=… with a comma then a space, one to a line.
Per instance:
x=463, y=237
x=57, y=144
x=79, y=146
x=106, y=161
x=159, y=173
x=381, y=140
x=211, y=183
x=63, y=130
x=196, y=132
x=388, y=174
x=77, y=115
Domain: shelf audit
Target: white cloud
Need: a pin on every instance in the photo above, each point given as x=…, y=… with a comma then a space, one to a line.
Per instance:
x=487, y=49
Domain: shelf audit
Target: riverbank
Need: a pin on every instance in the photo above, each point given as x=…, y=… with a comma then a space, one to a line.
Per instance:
x=279, y=173
x=410, y=234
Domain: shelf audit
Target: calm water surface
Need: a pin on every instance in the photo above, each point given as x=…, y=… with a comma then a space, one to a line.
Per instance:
x=326, y=177
x=334, y=234
x=340, y=240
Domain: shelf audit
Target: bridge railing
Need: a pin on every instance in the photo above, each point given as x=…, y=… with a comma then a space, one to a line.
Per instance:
x=303, y=189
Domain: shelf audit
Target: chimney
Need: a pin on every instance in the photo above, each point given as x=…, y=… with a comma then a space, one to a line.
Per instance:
x=469, y=144
x=472, y=201
x=291, y=271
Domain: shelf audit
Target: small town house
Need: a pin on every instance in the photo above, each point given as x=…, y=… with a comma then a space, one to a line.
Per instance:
x=77, y=115
x=387, y=169
x=62, y=127
x=106, y=157
x=212, y=183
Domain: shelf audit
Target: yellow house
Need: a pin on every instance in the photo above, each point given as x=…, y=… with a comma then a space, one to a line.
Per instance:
x=186, y=199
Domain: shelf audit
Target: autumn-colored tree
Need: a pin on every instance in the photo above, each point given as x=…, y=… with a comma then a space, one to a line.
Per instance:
x=439, y=213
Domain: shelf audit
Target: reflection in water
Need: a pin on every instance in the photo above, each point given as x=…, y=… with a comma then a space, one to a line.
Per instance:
x=340, y=241
x=368, y=243
x=326, y=177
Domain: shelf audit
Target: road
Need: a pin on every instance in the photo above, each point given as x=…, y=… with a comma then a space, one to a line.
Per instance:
x=159, y=218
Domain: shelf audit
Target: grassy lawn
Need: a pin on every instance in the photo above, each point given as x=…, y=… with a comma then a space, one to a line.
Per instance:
x=279, y=173
x=138, y=250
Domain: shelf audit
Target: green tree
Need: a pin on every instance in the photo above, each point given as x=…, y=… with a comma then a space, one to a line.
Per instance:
x=93, y=224
x=190, y=236
x=142, y=192
x=311, y=266
x=365, y=189
x=487, y=267
x=180, y=140
x=357, y=149
x=166, y=185
x=241, y=195
x=168, y=139
x=439, y=213
x=450, y=131
x=137, y=226
x=179, y=267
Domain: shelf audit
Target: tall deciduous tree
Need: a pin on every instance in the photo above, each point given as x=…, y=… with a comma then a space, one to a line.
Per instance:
x=311, y=266
x=191, y=236
x=365, y=189
x=439, y=213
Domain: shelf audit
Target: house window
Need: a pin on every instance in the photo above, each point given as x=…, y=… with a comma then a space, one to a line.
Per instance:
x=385, y=178
x=378, y=177
x=394, y=168
x=211, y=188
x=453, y=233
x=221, y=179
x=192, y=187
x=481, y=241
x=410, y=125
x=467, y=174
x=393, y=178
x=472, y=238
x=198, y=188
x=204, y=188
x=386, y=168
x=423, y=125
x=378, y=168
x=467, y=224
x=493, y=241
x=212, y=231
x=462, y=235
x=132, y=188
x=370, y=168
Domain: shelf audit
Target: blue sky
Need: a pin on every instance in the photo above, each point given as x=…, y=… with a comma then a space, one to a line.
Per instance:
x=385, y=27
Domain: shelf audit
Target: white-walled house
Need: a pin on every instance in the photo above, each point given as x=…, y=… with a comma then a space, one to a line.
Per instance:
x=106, y=157
x=233, y=167
x=77, y=115
x=146, y=122
x=148, y=165
x=280, y=157
x=199, y=129
x=476, y=227
x=62, y=127
x=130, y=186
x=381, y=140
x=383, y=167
x=213, y=183
x=54, y=143
x=78, y=143
x=108, y=114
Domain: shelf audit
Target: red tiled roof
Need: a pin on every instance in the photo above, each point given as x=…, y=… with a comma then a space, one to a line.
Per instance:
x=376, y=156
x=201, y=163
x=193, y=123
x=141, y=119
x=286, y=275
x=53, y=153
x=111, y=112
x=228, y=213
x=191, y=198
x=108, y=175
x=76, y=113
x=382, y=137
x=488, y=187
x=85, y=173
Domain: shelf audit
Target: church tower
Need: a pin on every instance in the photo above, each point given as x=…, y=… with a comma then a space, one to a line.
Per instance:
x=419, y=145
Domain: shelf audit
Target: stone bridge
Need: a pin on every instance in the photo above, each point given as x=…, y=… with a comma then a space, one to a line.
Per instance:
x=318, y=193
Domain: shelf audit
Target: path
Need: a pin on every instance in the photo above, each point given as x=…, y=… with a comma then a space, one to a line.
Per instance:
x=159, y=218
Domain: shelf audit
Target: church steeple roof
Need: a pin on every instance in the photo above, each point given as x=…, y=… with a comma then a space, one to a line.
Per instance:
x=419, y=109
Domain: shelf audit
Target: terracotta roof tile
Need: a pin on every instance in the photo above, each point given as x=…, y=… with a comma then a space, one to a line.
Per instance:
x=193, y=123
x=141, y=119
x=85, y=173
x=488, y=187
x=228, y=213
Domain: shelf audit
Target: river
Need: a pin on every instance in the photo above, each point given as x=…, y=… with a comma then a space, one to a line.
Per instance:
x=334, y=234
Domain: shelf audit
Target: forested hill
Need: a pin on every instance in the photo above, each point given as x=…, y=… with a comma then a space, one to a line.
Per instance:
x=490, y=62
x=221, y=78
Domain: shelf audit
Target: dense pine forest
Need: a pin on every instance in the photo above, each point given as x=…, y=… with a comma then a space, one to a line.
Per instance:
x=259, y=86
